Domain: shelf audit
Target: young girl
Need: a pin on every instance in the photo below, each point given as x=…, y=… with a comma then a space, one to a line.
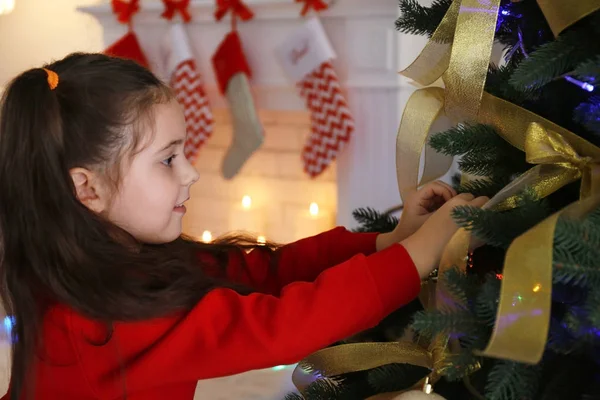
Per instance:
x=111, y=301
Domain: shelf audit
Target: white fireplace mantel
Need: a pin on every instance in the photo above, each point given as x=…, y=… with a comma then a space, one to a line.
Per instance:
x=368, y=57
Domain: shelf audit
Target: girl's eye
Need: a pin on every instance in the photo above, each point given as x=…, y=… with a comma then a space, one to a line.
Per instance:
x=169, y=160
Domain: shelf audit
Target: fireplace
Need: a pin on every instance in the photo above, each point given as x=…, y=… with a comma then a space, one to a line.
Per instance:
x=284, y=203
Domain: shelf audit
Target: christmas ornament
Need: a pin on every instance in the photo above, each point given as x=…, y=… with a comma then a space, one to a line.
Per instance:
x=418, y=395
x=232, y=72
x=184, y=78
x=306, y=56
x=128, y=47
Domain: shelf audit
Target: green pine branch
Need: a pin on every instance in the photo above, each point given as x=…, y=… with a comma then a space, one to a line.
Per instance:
x=589, y=70
x=592, y=306
x=466, y=139
x=433, y=322
x=460, y=286
x=484, y=186
x=577, y=251
x=509, y=380
x=588, y=114
x=394, y=377
x=488, y=164
x=496, y=85
x=324, y=389
x=293, y=396
x=419, y=20
x=486, y=303
x=551, y=60
x=499, y=229
x=463, y=363
x=371, y=220
x=560, y=338
x=483, y=151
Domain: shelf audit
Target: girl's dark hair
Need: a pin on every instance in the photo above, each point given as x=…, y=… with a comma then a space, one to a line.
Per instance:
x=52, y=248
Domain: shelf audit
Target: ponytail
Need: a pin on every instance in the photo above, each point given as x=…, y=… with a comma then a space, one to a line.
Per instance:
x=31, y=126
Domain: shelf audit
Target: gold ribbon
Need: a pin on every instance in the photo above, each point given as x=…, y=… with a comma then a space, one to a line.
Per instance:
x=345, y=358
x=424, y=107
x=470, y=58
x=562, y=157
x=548, y=147
x=459, y=52
x=523, y=318
x=561, y=14
x=353, y=357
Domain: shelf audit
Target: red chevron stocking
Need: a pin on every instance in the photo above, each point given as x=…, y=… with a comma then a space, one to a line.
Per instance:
x=306, y=56
x=180, y=69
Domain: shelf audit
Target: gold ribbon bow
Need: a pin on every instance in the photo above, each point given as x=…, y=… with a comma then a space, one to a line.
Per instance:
x=547, y=147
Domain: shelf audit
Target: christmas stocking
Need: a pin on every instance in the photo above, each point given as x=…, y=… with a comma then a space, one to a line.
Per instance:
x=306, y=56
x=128, y=47
x=232, y=72
x=180, y=70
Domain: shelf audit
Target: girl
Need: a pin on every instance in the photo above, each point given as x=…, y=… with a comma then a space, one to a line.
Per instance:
x=111, y=301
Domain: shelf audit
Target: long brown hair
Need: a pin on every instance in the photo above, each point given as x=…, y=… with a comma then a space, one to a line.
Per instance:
x=52, y=248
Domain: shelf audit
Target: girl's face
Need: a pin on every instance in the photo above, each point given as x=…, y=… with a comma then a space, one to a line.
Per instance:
x=156, y=182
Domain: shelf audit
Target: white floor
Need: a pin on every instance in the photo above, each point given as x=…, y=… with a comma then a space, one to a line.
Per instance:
x=269, y=384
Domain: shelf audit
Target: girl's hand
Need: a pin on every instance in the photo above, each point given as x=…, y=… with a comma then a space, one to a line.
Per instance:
x=418, y=207
x=426, y=245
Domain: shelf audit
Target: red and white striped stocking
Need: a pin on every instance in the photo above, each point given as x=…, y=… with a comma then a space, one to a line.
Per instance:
x=187, y=84
x=306, y=56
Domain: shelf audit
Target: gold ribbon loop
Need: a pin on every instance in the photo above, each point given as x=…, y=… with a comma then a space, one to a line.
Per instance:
x=434, y=60
x=353, y=357
x=470, y=58
x=422, y=110
x=561, y=14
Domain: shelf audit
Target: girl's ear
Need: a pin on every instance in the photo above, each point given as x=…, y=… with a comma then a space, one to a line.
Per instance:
x=90, y=190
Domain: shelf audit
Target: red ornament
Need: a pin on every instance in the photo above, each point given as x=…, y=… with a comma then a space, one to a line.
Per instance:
x=177, y=6
x=237, y=8
x=317, y=5
x=125, y=9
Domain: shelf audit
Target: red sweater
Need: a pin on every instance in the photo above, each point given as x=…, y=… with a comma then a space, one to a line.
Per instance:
x=325, y=289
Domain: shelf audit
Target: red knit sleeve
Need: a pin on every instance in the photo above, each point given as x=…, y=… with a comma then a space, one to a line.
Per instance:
x=227, y=333
x=303, y=260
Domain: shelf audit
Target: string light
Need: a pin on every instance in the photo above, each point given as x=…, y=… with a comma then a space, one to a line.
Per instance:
x=313, y=209
x=246, y=202
x=584, y=85
x=261, y=240
x=6, y=6
x=206, y=237
x=9, y=322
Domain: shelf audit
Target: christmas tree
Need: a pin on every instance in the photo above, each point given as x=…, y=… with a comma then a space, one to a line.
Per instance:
x=550, y=72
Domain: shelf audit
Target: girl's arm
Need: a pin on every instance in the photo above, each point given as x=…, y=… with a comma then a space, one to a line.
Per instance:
x=304, y=260
x=228, y=333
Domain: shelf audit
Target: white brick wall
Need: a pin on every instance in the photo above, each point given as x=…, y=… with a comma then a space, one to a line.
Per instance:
x=272, y=177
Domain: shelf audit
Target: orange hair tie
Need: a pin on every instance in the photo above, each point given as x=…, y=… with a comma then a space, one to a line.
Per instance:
x=52, y=78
